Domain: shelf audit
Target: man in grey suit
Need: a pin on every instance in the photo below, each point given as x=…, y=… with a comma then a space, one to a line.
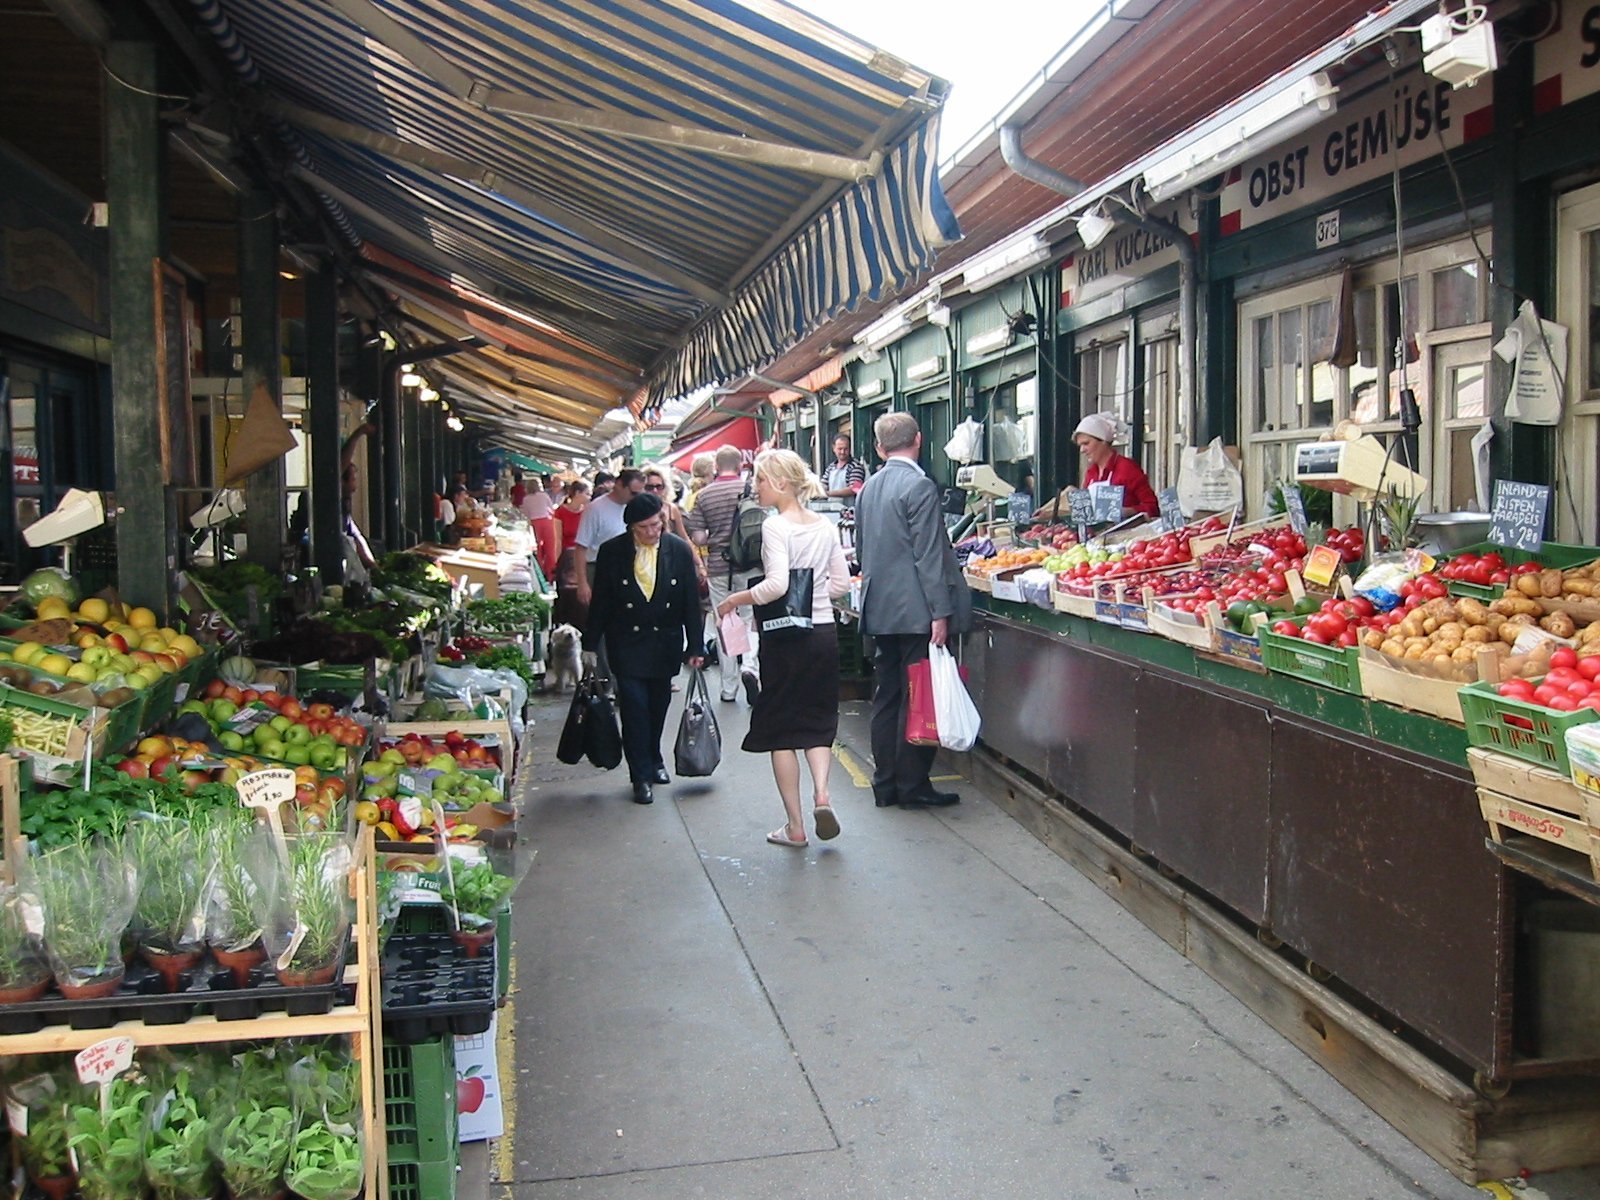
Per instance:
x=912, y=595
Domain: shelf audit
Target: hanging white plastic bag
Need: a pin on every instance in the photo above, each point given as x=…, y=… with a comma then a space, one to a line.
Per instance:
x=1208, y=481
x=954, y=712
x=966, y=443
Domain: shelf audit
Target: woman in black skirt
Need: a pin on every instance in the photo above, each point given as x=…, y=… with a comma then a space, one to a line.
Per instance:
x=797, y=709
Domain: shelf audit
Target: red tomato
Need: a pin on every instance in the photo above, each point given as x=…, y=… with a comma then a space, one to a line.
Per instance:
x=1286, y=628
x=1564, y=657
x=1545, y=693
x=1363, y=606
x=1562, y=704
x=1590, y=702
x=1589, y=667
x=1348, y=637
x=1516, y=689
x=1578, y=689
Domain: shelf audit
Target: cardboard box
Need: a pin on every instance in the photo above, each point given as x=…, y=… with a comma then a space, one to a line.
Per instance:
x=480, y=1112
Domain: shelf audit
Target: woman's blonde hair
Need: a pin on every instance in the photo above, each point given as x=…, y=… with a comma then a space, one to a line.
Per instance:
x=788, y=468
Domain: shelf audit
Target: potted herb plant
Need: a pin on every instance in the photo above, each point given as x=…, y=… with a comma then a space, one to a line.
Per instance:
x=86, y=891
x=42, y=1103
x=23, y=973
x=232, y=927
x=177, y=1158
x=169, y=917
x=253, y=1148
x=478, y=894
x=325, y=1162
x=306, y=910
x=108, y=1141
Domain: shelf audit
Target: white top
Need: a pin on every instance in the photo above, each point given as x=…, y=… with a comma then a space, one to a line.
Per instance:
x=814, y=544
x=538, y=504
x=602, y=521
x=447, y=513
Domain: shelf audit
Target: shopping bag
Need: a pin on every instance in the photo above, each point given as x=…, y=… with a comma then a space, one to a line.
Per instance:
x=571, y=746
x=698, y=749
x=955, y=716
x=790, y=613
x=735, y=634
x=921, y=726
x=591, y=730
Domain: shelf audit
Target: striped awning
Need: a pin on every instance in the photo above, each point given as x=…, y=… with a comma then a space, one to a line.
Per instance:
x=682, y=187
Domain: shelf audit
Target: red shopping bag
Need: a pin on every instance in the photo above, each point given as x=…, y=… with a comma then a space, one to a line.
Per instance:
x=921, y=728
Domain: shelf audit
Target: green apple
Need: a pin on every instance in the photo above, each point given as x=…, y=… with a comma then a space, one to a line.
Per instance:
x=262, y=734
x=272, y=749
x=194, y=706
x=221, y=710
x=81, y=672
x=381, y=768
x=392, y=755
x=281, y=723
x=296, y=753
x=296, y=735
x=137, y=682
x=96, y=656
x=443, y=762
x=231, y=740
x=322, y=757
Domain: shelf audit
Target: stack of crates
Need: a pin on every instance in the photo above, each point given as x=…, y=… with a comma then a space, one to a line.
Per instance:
x=434, y=918
x=419, y=1085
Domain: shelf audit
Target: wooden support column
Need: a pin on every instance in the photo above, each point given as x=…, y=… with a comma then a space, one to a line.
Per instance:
x=258, y=312
x=137, y=240
x=322, y=418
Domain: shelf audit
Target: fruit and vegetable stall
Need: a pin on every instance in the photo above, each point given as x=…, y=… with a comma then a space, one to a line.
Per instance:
x=254, y=900
x=1374, y=756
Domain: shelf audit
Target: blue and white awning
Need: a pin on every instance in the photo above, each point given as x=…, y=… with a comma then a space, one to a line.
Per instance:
x=686, y=186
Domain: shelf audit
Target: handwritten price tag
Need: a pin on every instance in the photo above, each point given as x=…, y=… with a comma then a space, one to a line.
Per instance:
x=102, y=1062
x=267, y=788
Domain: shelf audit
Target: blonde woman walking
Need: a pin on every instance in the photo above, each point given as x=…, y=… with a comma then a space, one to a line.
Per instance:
x=797, y=710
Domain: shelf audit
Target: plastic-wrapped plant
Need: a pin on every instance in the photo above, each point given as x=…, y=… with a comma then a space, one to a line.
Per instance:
x=232, y=926
x=86, y=891
x=306, y=915
x=479, y=894
x=253, y=1147
x=169, y=917
x=325, y=1081
x=177, y=1160
x=108, y=1141
x=326, y=1162
x=42, y=1104
x=23, y=973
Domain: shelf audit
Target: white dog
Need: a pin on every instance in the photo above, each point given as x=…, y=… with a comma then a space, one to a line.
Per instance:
x=566, y=648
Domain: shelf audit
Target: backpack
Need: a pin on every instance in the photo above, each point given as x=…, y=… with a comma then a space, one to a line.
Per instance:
x=744, y=541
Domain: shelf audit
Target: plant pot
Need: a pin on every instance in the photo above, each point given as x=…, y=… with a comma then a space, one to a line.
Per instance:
x=56, y=1187
x=240, y=962
x=473, y=941
x=23, y=993
x=94, y=989
x=170, y=964
x=315, y=977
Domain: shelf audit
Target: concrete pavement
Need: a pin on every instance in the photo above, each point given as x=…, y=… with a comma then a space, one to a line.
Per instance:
x=933, y=1005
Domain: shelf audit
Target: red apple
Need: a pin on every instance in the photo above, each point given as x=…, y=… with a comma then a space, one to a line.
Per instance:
x=134, y=768
x=470, y=1091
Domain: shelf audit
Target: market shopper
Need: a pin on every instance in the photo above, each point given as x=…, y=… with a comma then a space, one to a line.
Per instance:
x=711, y=525
x=538, y=504
x=1096, y=436
x=602, y=521
x=912, y=596
x=659, y=484
x=701, y=471
x=569, y=609
x=797, y=710
x=645, y=615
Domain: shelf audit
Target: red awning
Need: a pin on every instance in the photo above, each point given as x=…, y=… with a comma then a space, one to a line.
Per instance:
x=742, y=432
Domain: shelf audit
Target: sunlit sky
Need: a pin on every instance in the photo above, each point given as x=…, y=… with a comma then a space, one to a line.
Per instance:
x=988, y=51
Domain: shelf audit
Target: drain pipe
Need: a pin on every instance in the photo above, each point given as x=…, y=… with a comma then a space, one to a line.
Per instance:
x=1188, y=260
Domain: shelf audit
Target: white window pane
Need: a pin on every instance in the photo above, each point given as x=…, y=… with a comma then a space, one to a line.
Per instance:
x=1592, y=340
x=1265, y=385
x=1455, y=296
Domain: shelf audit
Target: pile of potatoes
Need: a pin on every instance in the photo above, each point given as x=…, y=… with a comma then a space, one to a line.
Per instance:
x=1575, y=583
x=1447, y=635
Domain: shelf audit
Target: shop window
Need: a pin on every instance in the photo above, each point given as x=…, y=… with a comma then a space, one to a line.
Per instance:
x=1163, y=433
x=1576, y=498
x=1458, y=297
x=1103, y=377
x=1591, y=325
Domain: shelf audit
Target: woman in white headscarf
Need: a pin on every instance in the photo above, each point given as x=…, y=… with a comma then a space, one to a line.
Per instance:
x=1096, y=436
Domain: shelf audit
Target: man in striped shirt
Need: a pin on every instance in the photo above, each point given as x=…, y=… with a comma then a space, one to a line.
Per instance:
x=710, y=524
x=845, y=475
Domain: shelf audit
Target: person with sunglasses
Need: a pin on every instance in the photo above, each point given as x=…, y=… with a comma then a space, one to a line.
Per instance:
x=656, y=483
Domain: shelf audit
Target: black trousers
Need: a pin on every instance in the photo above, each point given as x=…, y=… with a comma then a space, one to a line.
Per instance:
x=899, y=769
x=643, y=705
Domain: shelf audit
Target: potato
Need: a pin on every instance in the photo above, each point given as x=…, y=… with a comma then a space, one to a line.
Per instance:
x=1416, y=652
x=1588, y=648
x=1509, y=632
x=1453, y=629
x=1549, y=583
x=1430, y=624
x=1464, y=654
x=1372, y=638
x=1396, y=649
x=1494, y=620
x=1589, y=633
x=1580, y=589
x=1478, y=635
x=1472, y=611
x=1560, y=624
x=1510, y=606
x=1528, y=585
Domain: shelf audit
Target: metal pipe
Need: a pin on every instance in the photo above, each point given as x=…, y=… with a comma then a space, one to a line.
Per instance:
x=1188, y=261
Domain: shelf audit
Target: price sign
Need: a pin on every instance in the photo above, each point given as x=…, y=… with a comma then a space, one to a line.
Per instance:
x=1322, y=564
x=250, y=717
x=1171, y=511
x=1294, y=504
x=1082, y=510
x=1107, y=500
x=102, y=1062
x=1517, y=518
x=267, y=788
x=414, y=783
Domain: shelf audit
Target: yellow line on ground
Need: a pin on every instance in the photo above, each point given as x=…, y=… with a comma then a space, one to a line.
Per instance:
x=852, y=768
x=1498, y=1190
x=944, y=779
x=506, y=1052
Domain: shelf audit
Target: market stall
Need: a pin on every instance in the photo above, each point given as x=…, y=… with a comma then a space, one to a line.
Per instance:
x=1301, y=758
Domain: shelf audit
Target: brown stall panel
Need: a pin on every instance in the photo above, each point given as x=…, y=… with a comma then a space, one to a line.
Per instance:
x=1202, y=781
x=1380, y=875
x=1002, y=662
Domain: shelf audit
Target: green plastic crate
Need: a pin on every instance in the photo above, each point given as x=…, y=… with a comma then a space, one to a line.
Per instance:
x=419, y=1099
x=422, y=1181
x=1336, y=667
x=1531, y=732
x=1553, y=554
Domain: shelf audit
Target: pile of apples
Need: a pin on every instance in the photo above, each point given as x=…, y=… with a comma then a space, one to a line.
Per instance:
x=295, y=733
x=132, y=647
x=1572, y=683
x=417, y=749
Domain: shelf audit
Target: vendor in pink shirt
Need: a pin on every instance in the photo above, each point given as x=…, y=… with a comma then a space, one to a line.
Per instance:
x=1094, y=436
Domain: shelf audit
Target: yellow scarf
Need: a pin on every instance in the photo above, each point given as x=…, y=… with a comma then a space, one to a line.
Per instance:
x=644, y=568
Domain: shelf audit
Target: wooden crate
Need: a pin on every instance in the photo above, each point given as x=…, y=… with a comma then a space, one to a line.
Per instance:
x=979, y=583
x=1524, y=781
x=1191, y=629
x=1210, y=541
x=1382, y=680
x=1070, y=603
x=1507, y=814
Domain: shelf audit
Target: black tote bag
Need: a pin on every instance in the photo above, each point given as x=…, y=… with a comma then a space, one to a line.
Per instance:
x=591, y=730
x=790, y=614
x=698, y=749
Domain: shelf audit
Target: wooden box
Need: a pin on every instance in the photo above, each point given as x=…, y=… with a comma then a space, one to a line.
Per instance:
x=1524, y=781
x=1382, y=680
x=1507, y=814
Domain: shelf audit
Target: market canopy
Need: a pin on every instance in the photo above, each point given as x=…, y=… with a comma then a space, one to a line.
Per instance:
x=675, y=190
x=524, y=463
x=742, y=433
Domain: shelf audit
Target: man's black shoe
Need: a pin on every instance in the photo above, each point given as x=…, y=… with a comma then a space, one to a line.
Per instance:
x=642, y=793
x=661, y=776
x=932, y=799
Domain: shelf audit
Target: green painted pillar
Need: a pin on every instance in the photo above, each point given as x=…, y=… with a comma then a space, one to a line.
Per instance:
x=411, y=479
x=369, y=386
x=322, y=420
x=145, y=555
x=391, y=426
x=261, y=348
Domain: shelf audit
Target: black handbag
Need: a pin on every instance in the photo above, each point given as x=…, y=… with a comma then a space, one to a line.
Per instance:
x=790, y=613
x=698, y=749
x=591, y=730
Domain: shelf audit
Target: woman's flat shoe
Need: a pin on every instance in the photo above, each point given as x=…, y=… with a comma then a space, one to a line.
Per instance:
x=780, y=837
x=827, y=822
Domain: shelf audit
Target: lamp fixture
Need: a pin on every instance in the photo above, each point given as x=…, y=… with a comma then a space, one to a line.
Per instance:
x=927, y=368
x=454, y=422
x=990, y=341
x=1013, y=258
x=880, y=333
x=409, y=378
x=1094, y=227
x=871, y=389
x=938, y=314
x=427, y=395
x=1459, y=48
x=1292, y=110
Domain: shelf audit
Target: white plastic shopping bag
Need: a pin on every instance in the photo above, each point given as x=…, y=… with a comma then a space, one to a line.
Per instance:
x=966, y=443
x=735, y=634
x=955, y=713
